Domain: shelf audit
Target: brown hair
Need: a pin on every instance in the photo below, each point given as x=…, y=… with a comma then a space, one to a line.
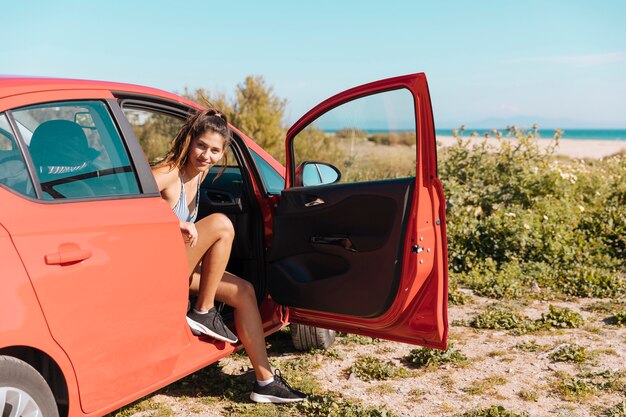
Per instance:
x=196, y=125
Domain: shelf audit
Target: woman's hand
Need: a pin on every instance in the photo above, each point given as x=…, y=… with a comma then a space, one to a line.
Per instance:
x=189, y=232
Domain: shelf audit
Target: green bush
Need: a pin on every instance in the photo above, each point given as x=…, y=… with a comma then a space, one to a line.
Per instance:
x=561, y=318
x=571, y=389
x=569, y=353
x=498, y=316
x=369, y=368
x=522, y=218
x=422, y=356
x=325, y=406
x=493, y=411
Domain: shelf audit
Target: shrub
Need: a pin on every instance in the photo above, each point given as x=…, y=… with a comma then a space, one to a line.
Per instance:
x=521, y=217
x=571, y=389
x=605, y=380
x=561, y=318
x=325, y=406
x=498, y=316
x=456, y=297
x=370, y=368
x=569, y=353
x=530, y=346
x=421, y=356
x=493, y=411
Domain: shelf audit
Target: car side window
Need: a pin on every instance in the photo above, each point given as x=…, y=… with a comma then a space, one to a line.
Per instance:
x=13, y=172
x=274, y=182
x=77, y=151
x=154, y=130
x=367, y=139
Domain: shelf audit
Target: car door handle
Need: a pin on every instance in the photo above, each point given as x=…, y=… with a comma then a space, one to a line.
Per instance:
x=67, y=255
x=342, y=241
x=317, y=202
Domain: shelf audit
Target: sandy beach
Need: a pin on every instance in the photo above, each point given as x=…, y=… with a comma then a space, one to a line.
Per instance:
x=574, y=148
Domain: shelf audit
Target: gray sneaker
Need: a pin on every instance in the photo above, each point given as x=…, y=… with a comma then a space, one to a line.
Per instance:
x=277, y=391
x=210, y=324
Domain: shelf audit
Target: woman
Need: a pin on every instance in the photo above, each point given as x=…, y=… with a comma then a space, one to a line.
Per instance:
x=201, y=142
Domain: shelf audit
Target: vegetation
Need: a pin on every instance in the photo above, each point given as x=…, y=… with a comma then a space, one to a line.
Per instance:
x=523, y=220
x=502, y=316
x=254, y=109
x=561, y=318
x=618, y=410
x=326, y=406
x=493, y=411
x=618, y=319
x=420, y=357
x=369, y=368
x=573, y=389
x=569, y=353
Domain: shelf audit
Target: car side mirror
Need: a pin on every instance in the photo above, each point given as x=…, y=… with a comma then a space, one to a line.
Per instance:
x=316, y=173
x=84, y=120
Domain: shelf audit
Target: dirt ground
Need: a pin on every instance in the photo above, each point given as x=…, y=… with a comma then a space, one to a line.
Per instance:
x=501, y=369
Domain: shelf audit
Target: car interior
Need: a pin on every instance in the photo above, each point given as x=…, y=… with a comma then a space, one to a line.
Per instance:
x=229, y=192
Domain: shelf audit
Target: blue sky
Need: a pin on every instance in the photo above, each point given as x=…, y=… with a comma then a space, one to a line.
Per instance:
x=558, y=63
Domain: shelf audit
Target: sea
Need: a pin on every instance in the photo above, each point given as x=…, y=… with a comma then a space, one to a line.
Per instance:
x=592, y=134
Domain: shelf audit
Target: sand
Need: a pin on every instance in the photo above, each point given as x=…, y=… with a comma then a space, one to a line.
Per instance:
x=574, y=148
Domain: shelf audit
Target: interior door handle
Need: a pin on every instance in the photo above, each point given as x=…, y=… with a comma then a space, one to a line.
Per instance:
x=342, y=241
x=318, y=201
x=68, y=253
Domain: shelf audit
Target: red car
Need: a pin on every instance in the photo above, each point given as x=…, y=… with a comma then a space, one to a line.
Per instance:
x=93, y=274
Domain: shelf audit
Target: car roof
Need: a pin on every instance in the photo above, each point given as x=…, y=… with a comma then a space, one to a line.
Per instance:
x=13, y=84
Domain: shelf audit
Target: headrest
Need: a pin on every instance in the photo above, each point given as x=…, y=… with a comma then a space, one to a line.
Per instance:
x=60, y=147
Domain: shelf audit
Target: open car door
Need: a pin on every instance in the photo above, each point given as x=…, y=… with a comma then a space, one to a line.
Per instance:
x=356, y=250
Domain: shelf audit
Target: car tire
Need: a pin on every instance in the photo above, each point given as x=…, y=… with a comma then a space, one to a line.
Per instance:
x=21, y=385
x=308, y=337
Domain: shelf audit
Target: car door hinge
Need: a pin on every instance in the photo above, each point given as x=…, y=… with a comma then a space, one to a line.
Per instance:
x=417, y=249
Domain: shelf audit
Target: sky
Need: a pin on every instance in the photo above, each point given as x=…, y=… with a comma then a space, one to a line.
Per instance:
x=489, y=63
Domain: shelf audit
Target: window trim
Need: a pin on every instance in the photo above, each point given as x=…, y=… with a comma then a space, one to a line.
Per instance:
x=23, y=148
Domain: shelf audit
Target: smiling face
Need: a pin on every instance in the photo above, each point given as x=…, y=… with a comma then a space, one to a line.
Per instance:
x=205, y=151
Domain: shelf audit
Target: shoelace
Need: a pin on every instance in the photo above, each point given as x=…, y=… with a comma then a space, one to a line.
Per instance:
x=278, y=377
x=217, y=318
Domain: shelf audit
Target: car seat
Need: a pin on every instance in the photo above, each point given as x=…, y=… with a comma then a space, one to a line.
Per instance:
x=60, y=150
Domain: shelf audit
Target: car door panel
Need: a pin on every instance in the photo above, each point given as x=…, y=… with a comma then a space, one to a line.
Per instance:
x=118, y=340
x=337, y=249
x=366, y=257
x=108, y=269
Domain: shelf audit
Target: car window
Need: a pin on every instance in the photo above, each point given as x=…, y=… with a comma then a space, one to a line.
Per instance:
x=154, y=130
x=274, y=182
x=370, y=138
x=76, y=150
x=13, y=172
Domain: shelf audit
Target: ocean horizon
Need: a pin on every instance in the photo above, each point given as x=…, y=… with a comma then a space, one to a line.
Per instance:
x=575, y=134
x=580, y=134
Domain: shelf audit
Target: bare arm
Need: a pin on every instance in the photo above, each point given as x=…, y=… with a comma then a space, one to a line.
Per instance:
x=168, y=181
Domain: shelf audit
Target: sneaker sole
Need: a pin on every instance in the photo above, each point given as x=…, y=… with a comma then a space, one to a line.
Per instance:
x=260, y=398
x=198, y=330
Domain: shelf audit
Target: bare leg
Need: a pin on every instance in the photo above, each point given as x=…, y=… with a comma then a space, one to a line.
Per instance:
x=239, y=293
x=215, y=239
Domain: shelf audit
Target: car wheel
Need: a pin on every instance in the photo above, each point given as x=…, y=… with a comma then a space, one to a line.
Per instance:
x=308, y=337
x=23, y=391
